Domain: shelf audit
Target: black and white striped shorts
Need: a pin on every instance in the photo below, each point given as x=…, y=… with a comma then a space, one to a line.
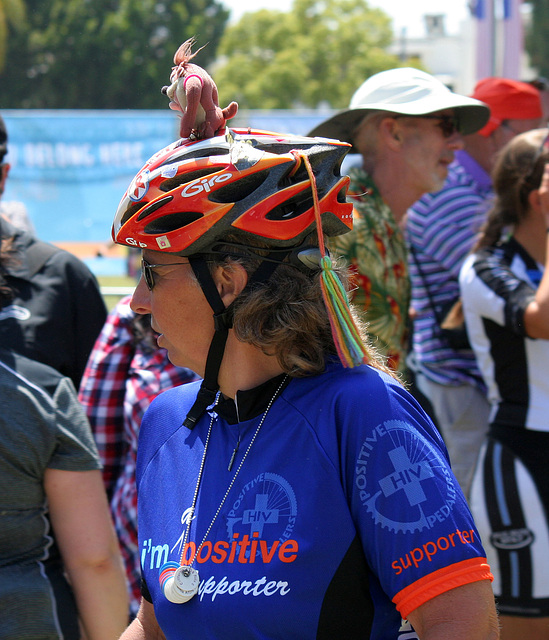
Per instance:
x=510, y=503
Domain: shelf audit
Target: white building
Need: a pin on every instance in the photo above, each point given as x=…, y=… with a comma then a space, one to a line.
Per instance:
x=453, y=57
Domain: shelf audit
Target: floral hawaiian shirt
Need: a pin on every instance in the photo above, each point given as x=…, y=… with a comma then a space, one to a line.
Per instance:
x=376, y=253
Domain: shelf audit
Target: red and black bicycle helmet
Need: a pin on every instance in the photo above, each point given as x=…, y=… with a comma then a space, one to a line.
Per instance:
x=190, y=195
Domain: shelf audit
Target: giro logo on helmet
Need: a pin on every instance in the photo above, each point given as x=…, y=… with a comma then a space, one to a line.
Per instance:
x=135, y=243
x=205, y=184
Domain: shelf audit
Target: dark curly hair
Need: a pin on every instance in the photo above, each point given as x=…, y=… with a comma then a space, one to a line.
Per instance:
x=517, y=172
x=286, y=315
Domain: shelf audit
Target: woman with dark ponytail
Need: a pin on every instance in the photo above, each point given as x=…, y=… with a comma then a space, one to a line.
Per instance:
x=505, y=292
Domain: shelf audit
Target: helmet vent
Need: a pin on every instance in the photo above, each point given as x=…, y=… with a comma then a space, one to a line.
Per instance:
x=132, y=209
x=300, y=175
x=188, y=153
x=154, y=206
x=172, y=222
x=237, y=191
x=292, y=208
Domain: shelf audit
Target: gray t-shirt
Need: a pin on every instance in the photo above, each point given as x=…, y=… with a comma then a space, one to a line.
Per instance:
x=42, y=425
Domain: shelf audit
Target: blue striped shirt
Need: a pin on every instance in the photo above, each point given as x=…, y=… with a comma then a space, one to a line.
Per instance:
x=441, y=228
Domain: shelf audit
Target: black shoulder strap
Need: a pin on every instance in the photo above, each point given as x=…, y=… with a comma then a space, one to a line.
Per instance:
x=424, y=283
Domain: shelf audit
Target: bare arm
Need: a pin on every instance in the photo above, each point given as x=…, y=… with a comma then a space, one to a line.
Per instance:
x=84, y=533
x=463, y=613
x=145, y=626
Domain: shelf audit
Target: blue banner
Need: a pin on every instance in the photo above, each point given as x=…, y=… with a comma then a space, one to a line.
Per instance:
x=71, y=168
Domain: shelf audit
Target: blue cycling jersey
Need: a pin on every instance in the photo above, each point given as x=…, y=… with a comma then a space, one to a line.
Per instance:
x=344, y=517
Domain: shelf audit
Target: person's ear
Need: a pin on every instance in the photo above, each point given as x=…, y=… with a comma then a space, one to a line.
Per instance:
x=534, y=200
x=390, y=133
x=230, y=282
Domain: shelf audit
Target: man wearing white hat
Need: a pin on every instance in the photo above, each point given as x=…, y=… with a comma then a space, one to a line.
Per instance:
x=441, y=229
x=406, y=125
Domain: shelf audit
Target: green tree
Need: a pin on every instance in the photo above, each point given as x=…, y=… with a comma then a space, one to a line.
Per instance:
x=537, y=40
x=319, y=52
x=12, y=14
x=105, y=53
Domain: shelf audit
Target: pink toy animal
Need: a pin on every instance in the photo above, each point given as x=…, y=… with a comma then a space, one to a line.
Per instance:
x=194, y=93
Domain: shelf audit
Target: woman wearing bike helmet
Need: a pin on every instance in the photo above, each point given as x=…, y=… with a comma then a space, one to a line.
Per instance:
x=298, y=491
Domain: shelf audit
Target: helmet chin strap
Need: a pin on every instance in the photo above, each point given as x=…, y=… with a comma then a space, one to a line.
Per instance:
x=223, y=321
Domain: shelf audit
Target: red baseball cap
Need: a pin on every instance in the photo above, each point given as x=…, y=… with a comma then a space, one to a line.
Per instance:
x=508, y=100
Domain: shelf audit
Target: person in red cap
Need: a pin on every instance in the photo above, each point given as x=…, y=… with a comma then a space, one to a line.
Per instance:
x=515, y=107
x=440, y=229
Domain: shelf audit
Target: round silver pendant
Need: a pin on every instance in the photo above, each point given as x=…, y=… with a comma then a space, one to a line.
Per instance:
x=182, y=586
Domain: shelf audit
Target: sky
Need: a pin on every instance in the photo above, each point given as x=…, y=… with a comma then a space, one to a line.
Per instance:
x=406, y=14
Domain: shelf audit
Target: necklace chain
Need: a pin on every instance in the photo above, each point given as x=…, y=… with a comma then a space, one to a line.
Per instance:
x=201, y=469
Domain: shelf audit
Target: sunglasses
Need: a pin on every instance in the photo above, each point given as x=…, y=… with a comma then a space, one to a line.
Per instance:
x=148, y=273
x=449, y=125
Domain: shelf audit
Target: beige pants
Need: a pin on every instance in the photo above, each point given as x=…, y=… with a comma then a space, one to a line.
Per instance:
x=462, y=415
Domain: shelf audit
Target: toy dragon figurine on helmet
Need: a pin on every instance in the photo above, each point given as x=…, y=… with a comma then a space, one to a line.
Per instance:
x=193, y=94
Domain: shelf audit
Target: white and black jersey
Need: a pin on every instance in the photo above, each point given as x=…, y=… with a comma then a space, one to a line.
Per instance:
x=509, y=496
x=497, y=284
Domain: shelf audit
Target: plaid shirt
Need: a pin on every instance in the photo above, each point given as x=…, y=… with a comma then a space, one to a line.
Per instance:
x=121, y=379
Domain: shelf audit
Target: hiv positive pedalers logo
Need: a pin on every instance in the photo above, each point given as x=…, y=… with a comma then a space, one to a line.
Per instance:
x=259, y=523
x=415, y=491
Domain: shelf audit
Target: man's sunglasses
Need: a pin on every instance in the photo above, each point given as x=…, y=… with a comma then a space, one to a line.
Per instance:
x=148, y=273
x=449, y=125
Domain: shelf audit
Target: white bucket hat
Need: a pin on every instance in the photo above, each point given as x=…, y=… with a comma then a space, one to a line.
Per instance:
x=404, y=91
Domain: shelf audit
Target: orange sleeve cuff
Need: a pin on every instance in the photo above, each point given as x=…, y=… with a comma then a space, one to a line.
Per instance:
x=428, y=587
